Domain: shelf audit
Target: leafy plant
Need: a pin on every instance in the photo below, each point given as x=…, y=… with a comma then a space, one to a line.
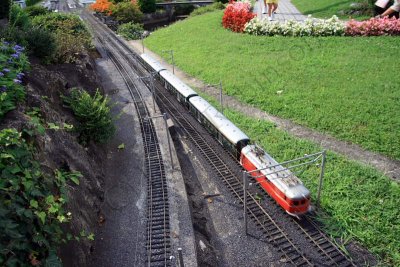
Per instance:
x=31, y=205
x=130, y=30
x=12, y=64
x=41, y=43
x=19, y=17
x=93, y=114
x=125, y=12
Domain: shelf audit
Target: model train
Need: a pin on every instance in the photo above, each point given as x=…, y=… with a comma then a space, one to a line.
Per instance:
x=281, y=184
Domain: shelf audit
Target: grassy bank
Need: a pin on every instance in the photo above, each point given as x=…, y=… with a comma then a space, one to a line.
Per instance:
x=362, y=204
x=348, y=87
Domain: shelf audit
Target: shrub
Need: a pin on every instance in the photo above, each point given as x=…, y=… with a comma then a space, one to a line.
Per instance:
x=71, y=35
x=93, y=114
x=102, y=6
x=41, y=43
x=373, y=27
x=34, y=11
x=12, y=64
x=147, y=6
x=31, y=209
x=205, y=9
x=19, y=17
x=236, y=15
x=125, y=12
x=131, y=31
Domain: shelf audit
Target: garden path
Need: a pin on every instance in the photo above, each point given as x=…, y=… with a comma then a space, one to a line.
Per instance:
x=286, y=11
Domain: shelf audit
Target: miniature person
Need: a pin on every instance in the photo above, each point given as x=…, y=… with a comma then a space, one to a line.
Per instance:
x=272, y=7
x=394, y=8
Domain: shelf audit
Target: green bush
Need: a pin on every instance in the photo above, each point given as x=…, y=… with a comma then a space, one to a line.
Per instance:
x=130, y=31
x=125, y=12
x=41, y=43
x=93, y=114
x=31, y=205
x=34, y=11
x=205, y=9
x=147, y=6
x=71, y=35
x=19, y=17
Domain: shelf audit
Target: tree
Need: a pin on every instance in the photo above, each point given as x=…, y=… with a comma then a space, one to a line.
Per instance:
x=126, y=12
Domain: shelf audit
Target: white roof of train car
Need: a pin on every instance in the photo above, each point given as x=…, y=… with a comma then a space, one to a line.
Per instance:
x=180, y=86
x=225, y=126
x=283, y=179
x=152, y=62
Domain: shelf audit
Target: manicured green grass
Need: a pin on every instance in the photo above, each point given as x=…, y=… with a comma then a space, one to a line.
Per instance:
x=362, y=204
x=348, y=87
x=324, y=8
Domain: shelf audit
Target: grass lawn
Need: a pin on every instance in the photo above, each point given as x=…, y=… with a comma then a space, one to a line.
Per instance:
x=362, y=204
x=348, y=87
x=324, y=8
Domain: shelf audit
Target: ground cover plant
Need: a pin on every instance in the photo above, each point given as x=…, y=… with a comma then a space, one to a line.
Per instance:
x=347, y=87
x=361, y=203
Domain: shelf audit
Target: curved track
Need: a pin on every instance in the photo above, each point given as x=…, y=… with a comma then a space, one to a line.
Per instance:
x=158, y=230
x=329, y=253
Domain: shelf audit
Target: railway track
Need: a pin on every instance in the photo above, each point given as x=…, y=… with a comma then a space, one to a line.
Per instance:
x=158, y=244
x=329, y=253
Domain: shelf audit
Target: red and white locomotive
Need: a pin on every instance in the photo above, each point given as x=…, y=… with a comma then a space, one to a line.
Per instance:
x=281, y=184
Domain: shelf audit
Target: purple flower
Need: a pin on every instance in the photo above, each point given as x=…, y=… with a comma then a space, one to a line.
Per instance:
x=17, y=81
x=20, y=75
x=5, y=70
x=18, y=48
x=10, y=61
x=1, y=74
x=6, y=43
x=3, y=88
x=16, y=55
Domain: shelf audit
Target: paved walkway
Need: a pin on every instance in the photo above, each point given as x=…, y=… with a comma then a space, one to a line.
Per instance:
x=286, y=11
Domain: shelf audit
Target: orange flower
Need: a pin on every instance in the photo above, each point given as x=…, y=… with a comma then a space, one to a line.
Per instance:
x=102, y=6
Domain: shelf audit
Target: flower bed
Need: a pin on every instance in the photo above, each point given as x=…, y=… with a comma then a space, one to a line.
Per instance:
x=238, y=18
x=310, y=27
x=12, y=62
x=373, y=27
x=236, y=15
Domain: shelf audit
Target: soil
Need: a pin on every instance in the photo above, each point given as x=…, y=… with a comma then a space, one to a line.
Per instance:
x=60, y=149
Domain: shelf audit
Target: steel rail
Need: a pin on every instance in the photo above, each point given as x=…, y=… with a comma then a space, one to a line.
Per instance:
x=158, y=230
x=258, y=213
